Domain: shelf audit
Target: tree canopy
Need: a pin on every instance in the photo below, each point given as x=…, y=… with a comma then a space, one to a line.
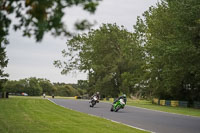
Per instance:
x=37, y=17
x=159, y=59
x=110, y=55
x=171, y=33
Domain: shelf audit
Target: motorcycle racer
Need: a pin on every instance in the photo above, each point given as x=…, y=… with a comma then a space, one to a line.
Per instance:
x=121, y=97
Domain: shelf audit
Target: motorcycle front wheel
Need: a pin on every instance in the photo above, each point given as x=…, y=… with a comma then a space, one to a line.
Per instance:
x=111, y=108
x=91, y=104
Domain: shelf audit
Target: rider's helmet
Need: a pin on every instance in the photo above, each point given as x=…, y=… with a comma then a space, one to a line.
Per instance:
x=124, y=95
x=97, y=93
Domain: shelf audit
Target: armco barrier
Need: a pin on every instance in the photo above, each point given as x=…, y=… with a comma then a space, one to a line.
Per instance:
x=106, y=99
x=111, y=99
x=174, y=103
x=167, y=102
x=162, y=102
x=77, y=97
x=197, y=104
x=183, y=103
x=156, y=101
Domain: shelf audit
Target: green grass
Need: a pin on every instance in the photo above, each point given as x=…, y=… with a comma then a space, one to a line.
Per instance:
x=177, y=110
x=37, y=115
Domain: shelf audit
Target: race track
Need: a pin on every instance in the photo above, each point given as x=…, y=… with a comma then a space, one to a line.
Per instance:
x=153, y=121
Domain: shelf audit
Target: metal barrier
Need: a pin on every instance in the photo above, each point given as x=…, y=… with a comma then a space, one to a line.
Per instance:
x=183, y=103
x=174, y=103
x=162, y=102
x=197, y=104
x=168, y=102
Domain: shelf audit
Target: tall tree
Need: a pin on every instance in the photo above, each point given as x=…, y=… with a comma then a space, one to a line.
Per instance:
x=171, y=33
x=109, y=55
x=46, y=86
x=3, y=64
x=33, y=87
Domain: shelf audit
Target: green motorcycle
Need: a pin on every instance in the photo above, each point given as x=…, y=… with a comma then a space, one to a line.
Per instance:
x=118, y=105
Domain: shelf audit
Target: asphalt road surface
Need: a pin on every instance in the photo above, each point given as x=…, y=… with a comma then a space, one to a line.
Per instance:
x=153, y=121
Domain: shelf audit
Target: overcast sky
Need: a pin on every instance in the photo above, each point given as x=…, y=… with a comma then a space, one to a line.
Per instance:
x=30, y=59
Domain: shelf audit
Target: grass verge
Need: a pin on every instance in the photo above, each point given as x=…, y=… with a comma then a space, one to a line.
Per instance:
x=36, y=115
x=178, y=110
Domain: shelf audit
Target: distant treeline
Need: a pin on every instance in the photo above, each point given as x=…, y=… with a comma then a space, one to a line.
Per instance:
x=36, y=87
